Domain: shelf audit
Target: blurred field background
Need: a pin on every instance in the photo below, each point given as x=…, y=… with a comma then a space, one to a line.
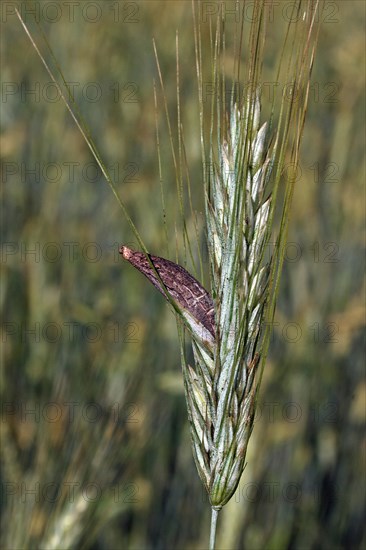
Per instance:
x=95, y=448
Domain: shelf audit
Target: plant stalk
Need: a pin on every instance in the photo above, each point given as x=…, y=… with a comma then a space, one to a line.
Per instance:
x=214, y=514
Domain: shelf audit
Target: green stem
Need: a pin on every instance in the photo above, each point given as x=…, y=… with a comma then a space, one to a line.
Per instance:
x=214, y=514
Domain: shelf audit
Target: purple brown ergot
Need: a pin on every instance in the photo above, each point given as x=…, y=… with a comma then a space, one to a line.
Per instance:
x=186, y=291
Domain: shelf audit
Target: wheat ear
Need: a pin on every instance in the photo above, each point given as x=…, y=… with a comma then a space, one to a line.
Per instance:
x=220, y=388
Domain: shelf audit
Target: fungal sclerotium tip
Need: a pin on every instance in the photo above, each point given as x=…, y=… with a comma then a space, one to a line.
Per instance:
x=125, y=251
